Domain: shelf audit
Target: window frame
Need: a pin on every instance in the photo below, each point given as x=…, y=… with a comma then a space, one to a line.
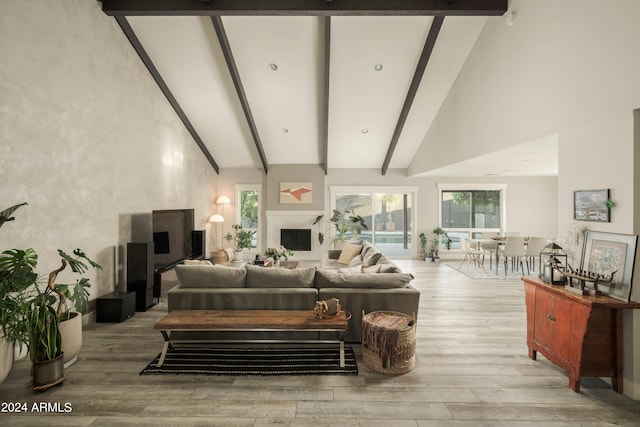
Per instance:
x=412, y=191
x=448, y=187
x=238, y=188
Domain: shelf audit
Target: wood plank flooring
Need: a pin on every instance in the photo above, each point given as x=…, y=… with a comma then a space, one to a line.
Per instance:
x=472, y=369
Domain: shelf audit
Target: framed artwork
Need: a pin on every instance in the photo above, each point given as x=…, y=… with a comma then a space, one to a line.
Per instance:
x=611, y=253
x=591, y=205
x=296, y=192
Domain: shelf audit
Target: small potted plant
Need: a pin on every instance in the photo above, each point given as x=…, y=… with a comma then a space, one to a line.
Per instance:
x=277, y=253
x=438, y=234
x=240, y=239
x=422, y=254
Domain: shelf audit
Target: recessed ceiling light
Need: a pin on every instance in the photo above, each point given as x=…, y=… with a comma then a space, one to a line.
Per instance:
x=365, y=131
x=285, y=130
x=273, y=67
x=377, y=67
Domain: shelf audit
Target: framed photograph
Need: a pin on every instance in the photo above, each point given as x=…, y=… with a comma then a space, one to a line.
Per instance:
x=611, y=253
x=591, y=205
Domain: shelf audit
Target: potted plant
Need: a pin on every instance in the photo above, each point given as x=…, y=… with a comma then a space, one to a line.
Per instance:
x=17, y=281
x=438, y=234
x=240, y=239
x=343, y=222
x=33, y=315
x=277, y=253
x=422, y=254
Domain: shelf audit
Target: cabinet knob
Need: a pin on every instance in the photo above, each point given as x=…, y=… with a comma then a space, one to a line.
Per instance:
x=550, y=318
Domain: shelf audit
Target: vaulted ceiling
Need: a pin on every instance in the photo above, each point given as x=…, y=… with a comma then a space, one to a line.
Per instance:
x=343, y=84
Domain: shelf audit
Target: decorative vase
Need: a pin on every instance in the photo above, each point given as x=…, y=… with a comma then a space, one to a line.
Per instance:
x=237, y=255
x=48, y=373
x=71, y=331
x=6, y=358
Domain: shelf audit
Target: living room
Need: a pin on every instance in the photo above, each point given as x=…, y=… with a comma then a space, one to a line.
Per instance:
x=91, y=143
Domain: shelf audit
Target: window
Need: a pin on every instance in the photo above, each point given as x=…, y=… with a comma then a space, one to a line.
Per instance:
x=248, y=208
x=466, y=210
x=387, y=211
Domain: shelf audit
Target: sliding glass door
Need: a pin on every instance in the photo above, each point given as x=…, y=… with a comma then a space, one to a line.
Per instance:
x=388, y=216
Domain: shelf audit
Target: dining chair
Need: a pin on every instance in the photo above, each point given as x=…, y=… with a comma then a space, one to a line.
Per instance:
x=490, y=247
x=534, y=247
x=514, y=251
x=471, y=254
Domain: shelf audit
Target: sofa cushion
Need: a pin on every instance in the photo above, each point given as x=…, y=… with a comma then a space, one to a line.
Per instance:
x=349, y=252
x=371, y=269
x=326, y=279
x=265, y=277
x=210, y=276
x=356, y=269
x=388, y=267
x=197, y=262
x=356, y=261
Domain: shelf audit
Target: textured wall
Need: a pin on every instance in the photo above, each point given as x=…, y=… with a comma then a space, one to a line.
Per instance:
x=86, y=137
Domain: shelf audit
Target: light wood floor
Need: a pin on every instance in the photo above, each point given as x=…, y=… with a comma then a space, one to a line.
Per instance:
x=472, y=369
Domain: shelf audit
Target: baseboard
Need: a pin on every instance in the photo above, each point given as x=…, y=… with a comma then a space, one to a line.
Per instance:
x=631, y=390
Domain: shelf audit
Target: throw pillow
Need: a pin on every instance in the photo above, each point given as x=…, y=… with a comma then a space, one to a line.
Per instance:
x=371, y=269
x=356, y=261
x=389, y=267
x=371, y=257
x=348, y=253
x=210, y=276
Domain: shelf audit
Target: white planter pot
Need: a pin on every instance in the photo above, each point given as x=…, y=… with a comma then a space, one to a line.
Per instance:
x=71, y=331
x=237, y=256
x=6, y=358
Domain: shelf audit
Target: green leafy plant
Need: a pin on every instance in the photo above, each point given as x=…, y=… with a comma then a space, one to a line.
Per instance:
x=31, y=315
x=343, y=222
x=277, y=253
x=240, y=238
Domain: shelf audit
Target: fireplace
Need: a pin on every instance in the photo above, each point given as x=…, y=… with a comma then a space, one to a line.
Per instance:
x=296, y=239
x=296, y=220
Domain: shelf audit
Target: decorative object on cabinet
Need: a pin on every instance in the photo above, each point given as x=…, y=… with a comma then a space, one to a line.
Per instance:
x=607, y=254
x=553, y=261
x=591, y=205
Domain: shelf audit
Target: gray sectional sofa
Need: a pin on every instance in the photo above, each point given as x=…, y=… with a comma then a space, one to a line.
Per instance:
x=253, y=288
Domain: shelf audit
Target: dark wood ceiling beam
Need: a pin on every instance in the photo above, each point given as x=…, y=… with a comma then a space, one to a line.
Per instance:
x=306, y=7
x=413, y=88
x=237, y=82
x=327, y=66
x=135, y=42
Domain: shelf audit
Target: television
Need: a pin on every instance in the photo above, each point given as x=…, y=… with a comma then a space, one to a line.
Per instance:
x=172, y=237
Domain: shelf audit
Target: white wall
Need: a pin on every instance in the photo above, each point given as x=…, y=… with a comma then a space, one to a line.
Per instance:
x=565, y=67
x=88, y=139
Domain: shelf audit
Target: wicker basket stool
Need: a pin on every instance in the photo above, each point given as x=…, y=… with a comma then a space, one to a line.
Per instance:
x=388, y=342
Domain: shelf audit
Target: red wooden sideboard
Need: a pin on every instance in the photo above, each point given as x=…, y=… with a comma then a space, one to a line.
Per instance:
x=581, y=334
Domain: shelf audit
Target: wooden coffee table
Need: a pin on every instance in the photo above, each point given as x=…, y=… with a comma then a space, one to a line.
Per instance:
x=249, y=321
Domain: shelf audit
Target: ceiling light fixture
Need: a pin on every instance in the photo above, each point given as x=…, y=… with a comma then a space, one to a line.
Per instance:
x=365, y=131
x=285, y=130
x=273, y=67
x=377, y=67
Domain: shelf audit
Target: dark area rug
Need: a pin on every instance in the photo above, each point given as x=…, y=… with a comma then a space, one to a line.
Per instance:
x=254, y=361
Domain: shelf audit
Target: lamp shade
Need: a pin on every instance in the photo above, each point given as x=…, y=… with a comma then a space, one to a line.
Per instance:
x=216, y=218
x=223, y=200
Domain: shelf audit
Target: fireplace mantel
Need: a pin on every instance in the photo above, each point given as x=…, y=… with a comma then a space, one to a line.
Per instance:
x=277, y=220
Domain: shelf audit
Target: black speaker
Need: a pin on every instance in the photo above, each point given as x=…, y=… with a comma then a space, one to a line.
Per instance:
x=140, y=273
x=115, y=307
x=198, y=243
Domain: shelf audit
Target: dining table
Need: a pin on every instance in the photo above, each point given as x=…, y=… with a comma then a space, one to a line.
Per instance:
x=499, y=241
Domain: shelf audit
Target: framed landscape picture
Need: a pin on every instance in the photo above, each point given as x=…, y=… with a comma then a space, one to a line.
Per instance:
x=591, y=205
x=611, y=253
